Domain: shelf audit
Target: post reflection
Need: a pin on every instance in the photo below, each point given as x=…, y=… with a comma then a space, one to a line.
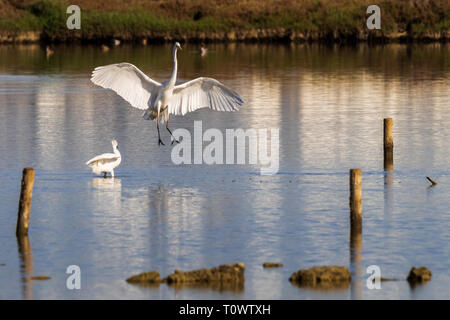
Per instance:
x=388, y=193
x=26, y=266
x=159, y=199
x=356, y=258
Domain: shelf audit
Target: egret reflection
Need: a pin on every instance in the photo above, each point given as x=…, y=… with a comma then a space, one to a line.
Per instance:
x=113, y=184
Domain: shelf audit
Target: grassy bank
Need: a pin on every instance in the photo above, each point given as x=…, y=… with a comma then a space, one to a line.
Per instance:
x=224, y=20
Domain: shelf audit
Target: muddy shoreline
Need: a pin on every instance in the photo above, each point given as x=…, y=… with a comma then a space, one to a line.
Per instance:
x=253, y=35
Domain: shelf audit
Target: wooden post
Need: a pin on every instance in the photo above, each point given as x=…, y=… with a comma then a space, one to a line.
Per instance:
x=26, y=192
x=356, y=232
x=355, y=195
x=388, y=145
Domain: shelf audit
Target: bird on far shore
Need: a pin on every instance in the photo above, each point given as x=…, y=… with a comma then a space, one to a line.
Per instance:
x=159, y=100
x=105, y=163
x=203, y=50
x=48, y=52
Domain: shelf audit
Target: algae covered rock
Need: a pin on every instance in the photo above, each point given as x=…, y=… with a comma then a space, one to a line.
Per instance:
x=324, y=276
x=228, y=273
x=145, y=277
x=419, y=275
x=224, y=277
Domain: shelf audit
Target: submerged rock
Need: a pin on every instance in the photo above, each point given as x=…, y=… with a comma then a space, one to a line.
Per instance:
x=228, y=274
x=146, y=277
x=272, y=265
x=419, y=275
x=322, y=277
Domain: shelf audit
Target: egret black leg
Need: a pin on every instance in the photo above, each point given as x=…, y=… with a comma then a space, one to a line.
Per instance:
x=167, y=127
x=159, y=136
x=174, y=140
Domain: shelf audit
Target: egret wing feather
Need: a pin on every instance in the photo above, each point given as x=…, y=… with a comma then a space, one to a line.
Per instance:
x=129, y=82
x=203, y=93
x=106, y=157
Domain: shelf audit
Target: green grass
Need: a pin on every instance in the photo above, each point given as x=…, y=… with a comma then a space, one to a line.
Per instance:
x=28, y=22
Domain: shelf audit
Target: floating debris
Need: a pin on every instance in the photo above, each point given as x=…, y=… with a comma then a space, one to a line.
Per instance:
x=40, y=278
x=325, y=277
x=387, y=279
x=272, y=265
x=228, y=274
x=419, y=275
x=146, y=277
x=433, y=183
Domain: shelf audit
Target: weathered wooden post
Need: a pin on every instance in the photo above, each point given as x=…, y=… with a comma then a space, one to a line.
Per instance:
x=356, y=231
x=26, y=192
x=388, y=141
x=355, y=195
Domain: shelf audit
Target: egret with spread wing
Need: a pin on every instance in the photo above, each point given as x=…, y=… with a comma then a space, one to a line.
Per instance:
x=159, y=100
x=106, y=162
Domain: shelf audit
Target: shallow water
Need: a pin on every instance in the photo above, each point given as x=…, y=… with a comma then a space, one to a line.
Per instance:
x=328, y=103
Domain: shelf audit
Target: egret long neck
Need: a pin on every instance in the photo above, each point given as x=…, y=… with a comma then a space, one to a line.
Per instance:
x=173, y=77
x=116, y=151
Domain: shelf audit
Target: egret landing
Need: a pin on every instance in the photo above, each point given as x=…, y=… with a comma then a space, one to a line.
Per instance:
x=106, y=162
x=159, y=100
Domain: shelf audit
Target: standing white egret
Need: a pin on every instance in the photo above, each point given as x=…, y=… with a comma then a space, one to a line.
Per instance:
x=106, y=162
x=165, y=98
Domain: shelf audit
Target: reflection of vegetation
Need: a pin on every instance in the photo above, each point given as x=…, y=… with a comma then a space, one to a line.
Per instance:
x=425, y=61
x=314, y=18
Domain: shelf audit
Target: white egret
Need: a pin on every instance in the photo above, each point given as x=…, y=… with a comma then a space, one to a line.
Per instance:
x=162, y=99
x=106, y=162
